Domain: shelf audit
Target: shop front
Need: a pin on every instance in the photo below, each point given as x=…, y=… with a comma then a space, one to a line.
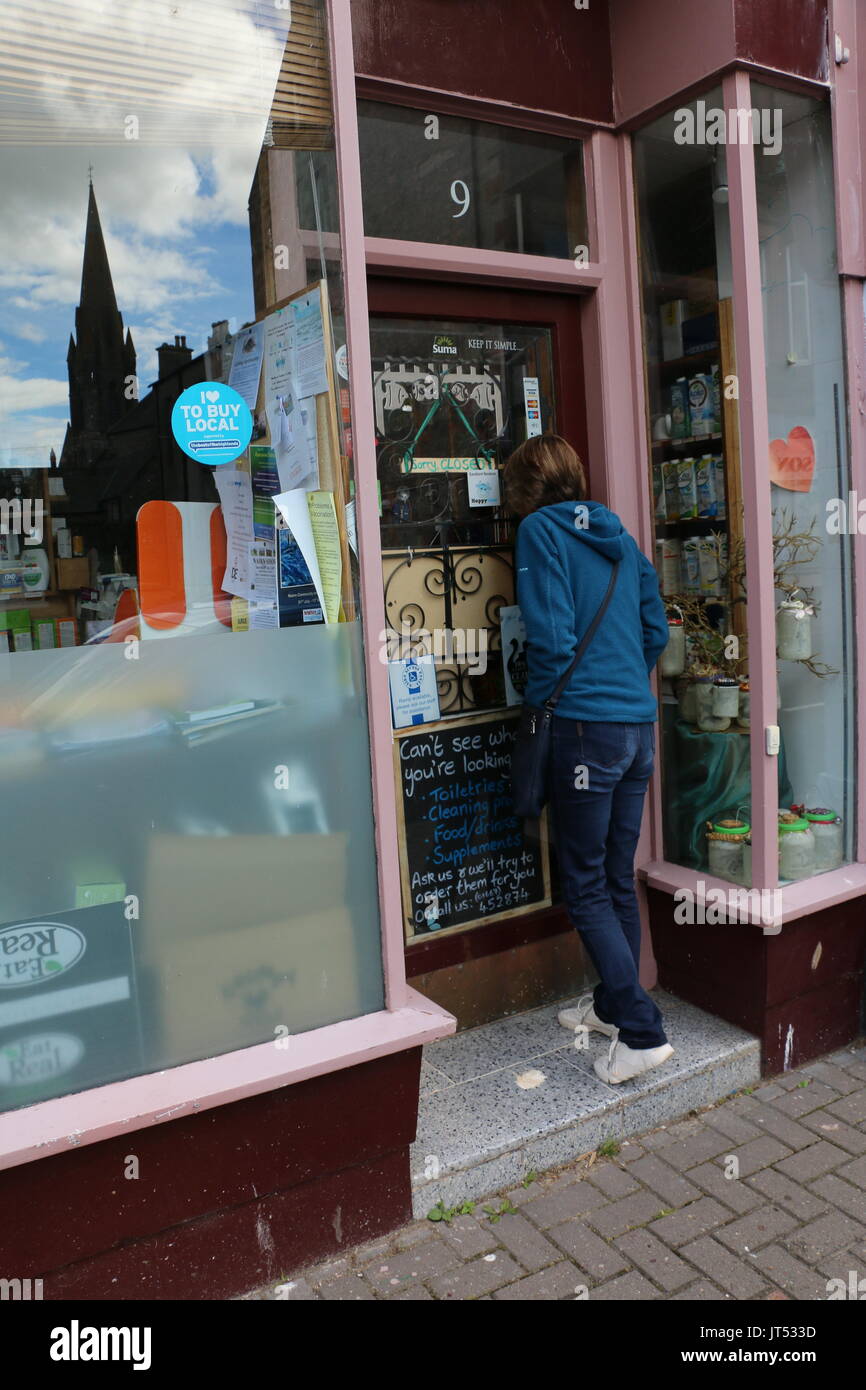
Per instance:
x=272, y=326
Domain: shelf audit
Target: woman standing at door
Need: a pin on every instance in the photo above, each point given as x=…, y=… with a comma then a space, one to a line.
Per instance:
x=603, y=738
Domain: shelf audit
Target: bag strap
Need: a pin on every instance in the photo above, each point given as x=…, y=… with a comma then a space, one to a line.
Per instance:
x=587, y=638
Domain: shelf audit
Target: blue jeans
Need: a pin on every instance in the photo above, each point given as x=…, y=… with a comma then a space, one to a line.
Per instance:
x=596, y=825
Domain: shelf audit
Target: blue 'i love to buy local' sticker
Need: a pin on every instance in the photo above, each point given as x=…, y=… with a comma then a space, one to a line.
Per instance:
x=211, y=422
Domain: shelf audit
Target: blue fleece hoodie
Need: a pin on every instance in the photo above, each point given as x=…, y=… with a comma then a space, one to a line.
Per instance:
x=563, y=571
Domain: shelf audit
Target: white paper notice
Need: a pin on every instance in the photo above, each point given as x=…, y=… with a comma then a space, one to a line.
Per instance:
x=310, y=375
x=246, y=366
x=262, y=573
x=351, y=526
x=293, y=506
x=264, y=615
x=483, y=489
x=236, y=497
x=285, y=418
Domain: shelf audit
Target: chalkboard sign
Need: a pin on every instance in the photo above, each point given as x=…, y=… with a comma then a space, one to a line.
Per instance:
x=463, y=856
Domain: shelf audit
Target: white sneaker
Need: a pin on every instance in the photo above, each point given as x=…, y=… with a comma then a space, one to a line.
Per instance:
x=583, y=1015
x=623, y=1062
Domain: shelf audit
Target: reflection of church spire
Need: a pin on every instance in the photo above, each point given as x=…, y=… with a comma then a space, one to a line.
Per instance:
x=100, y=358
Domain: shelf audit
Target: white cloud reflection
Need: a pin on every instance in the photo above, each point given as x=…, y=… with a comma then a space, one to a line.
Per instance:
x=198, y=76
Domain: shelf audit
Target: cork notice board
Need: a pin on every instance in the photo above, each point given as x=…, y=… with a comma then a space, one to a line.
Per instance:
x=463, y=856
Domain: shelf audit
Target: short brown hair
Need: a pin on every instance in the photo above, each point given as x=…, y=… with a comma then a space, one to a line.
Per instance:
x=541, y=471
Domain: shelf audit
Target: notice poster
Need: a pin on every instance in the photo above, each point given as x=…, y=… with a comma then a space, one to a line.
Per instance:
x=265, y=485
x=326, y=536
x=284, y=419
x=464, y=858
x=311, y=377
x=246, y=366
x=414, y=694
x=512, y=634
x=298, y=596
x=236, y=498
x=295, y=514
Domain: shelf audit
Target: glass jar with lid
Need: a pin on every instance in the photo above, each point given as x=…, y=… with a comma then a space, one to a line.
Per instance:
x=828, y=831
x=726, y=697
x=673, y=659
x=709, y=722
x=794, y=629
x=725, y=841
x=796, y=847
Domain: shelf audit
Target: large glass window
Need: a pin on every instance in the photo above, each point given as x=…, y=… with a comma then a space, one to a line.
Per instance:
x=188, y=861
x=814, y=515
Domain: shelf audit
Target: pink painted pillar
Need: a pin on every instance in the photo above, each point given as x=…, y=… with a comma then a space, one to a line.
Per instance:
x=366, y=499
x=616, y=407
x=755, y=470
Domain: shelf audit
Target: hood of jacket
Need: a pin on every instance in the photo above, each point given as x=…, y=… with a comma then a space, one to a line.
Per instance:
x=589, y=523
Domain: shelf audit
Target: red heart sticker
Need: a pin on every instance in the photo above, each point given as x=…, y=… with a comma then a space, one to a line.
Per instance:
x=792, y=460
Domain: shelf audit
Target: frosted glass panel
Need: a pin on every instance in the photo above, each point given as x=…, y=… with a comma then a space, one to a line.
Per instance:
x=218, y=861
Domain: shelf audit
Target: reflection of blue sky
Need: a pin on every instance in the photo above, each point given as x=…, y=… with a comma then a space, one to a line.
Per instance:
x=173, y=203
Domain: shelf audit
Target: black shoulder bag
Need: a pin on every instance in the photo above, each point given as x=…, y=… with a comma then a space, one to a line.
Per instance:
x=530, y=758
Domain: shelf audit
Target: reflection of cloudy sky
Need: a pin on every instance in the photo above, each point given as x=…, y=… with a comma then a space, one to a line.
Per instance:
x=198, y=76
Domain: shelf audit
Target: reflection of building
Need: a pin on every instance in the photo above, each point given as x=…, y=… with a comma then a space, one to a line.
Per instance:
x=119, y=451
x=101, y=361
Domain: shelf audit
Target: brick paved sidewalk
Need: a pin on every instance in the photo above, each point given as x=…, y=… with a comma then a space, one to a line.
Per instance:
x=659, y=1218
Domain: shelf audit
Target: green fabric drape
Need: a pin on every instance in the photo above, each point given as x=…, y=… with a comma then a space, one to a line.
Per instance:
x=705, y=776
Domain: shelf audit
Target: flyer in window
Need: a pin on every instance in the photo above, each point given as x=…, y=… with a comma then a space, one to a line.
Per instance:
x=311, y=377
x=246, y=367
x=298, y=596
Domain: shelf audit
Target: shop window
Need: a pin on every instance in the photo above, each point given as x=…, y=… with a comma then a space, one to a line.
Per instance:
x=815, y=514
x=696, y=491
x=188, y=856
x=681, y=172
x=458, y=182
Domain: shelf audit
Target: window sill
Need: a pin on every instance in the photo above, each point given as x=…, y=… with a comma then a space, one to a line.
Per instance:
x=86, y=1117
x=797, y=900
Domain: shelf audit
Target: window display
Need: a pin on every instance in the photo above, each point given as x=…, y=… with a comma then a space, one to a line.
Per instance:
x=696, y=491
x=700, y=549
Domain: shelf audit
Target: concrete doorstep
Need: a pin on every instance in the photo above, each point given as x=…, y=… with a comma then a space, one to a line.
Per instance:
x=518, y=1096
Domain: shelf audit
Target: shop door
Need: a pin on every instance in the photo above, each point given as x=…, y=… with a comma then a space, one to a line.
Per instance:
x=461, y=376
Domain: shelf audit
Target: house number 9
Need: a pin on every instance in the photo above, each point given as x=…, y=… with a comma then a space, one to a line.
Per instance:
x=460, y=194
